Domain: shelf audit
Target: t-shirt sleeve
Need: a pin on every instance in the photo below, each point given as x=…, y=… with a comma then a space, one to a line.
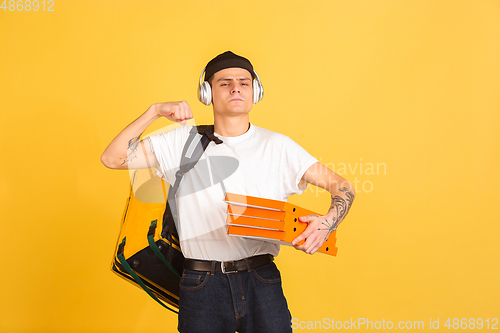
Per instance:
x=296, y=161
x=168, y=150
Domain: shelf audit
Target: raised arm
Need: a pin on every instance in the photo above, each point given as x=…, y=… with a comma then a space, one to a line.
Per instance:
x=127, y=151
x=320, y=227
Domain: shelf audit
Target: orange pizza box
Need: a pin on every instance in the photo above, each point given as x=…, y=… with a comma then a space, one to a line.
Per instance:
x=270, y=220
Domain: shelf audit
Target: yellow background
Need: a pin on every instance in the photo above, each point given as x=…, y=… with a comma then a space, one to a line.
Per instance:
x=410, y=85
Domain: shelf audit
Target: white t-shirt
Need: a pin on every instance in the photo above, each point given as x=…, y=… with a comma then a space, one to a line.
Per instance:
x=257, y=163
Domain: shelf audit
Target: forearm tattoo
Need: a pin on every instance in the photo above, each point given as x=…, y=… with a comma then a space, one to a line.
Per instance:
x=132, y=149
x=341, y=207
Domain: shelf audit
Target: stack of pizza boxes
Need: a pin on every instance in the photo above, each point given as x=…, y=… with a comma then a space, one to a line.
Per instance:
x=270, y=220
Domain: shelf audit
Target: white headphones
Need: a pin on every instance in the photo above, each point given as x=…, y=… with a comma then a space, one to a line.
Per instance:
x=205, y=91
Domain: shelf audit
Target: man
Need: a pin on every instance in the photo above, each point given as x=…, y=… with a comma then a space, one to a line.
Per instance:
x=249, y=298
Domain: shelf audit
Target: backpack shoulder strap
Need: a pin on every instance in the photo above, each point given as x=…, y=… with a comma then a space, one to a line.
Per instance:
x=208, y=131
x=196, y=144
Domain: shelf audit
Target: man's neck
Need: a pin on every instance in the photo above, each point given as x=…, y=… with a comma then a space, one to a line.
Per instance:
x=231, y=126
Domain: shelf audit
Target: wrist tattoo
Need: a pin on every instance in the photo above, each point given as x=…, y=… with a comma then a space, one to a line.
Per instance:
x=341, y=207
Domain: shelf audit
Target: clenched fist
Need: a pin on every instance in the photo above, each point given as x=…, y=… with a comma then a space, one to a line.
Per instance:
x=177, y=112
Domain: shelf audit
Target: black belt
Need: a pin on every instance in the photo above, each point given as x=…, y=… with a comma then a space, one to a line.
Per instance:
x=229, y=266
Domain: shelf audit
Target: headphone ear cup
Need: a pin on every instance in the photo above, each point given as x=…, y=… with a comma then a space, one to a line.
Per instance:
x=257, y=91
x=205, y=93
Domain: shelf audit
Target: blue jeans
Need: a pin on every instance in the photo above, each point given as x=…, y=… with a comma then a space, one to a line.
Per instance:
x=247, y=302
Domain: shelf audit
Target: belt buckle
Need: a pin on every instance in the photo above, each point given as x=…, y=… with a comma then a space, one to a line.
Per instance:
x=223, y=268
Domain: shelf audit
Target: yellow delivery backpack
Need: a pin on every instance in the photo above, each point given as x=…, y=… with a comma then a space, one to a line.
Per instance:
x=148, y=252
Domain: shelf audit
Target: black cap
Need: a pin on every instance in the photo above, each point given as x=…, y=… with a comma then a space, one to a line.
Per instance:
x=227, y=60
